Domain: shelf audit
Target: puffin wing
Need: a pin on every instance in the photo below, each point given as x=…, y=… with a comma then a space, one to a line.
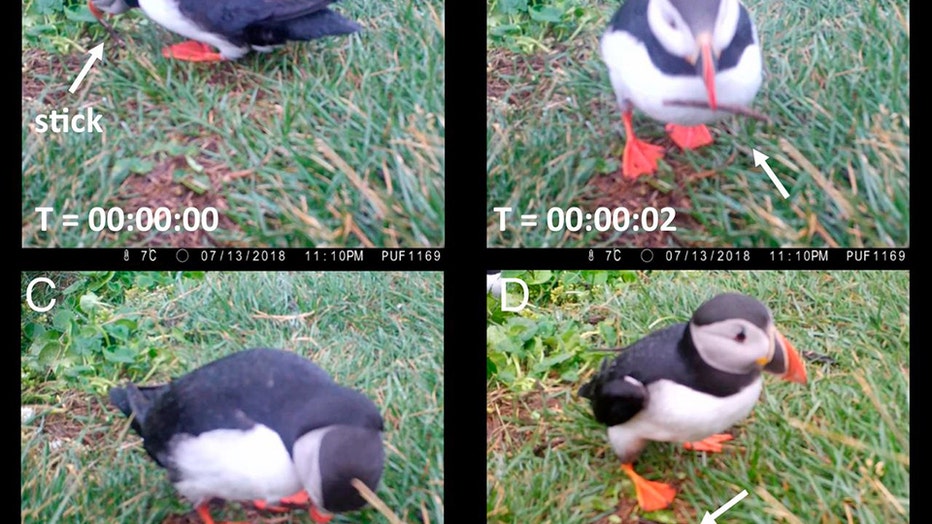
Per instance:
x=280, y=19
x=619, y=391
x=615, y=396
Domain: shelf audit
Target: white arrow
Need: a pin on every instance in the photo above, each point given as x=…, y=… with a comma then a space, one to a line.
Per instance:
x=97, y=53
x=760, y=159
x=710, y=519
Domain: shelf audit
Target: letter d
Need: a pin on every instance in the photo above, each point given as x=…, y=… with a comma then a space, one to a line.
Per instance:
x=505, y=282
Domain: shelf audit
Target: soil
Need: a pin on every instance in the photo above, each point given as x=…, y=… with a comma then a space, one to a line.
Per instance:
x=159, y=188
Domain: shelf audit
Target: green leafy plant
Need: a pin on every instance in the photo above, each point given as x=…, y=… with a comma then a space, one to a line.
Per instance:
x=42, y=19
x=525, y=24
x=94, y=320
x=525, y=347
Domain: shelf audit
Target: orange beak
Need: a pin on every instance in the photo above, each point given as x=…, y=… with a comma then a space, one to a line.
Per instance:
x=98, y=14
x=708, y=68
x=795, y=372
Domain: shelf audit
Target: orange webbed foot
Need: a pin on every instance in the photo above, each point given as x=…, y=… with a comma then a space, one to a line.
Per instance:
x=192, y=51
x=689, y=137
x=711, y=444
x=318, y=516
x=262, y=505
x=203, y=511
x=297, y=501
x=640, y=158
x=652, y=496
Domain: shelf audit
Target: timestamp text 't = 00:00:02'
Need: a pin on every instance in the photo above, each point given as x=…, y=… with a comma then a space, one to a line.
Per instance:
x=604, y=219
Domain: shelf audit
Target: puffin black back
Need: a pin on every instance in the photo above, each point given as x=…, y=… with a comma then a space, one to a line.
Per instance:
x=257, y=386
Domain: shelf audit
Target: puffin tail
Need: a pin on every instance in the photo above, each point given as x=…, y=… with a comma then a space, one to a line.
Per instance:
x=320, y=24
x=135, y=400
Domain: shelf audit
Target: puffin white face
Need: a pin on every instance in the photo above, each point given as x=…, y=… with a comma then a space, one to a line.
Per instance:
x=327, y=459
x=307, y=462
x=670, y=29
x=682, y=33
x=734, y=345
x=697, y=31
x=725, y=25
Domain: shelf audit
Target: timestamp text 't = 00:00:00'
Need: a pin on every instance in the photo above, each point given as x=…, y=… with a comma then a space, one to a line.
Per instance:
x=192, y=219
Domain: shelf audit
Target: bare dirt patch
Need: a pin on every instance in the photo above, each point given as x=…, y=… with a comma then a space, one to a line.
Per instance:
x=43, y=71
x=538, y=79
x=76, y=420
x=614, y=190
x=513, y=422
x=175, y=184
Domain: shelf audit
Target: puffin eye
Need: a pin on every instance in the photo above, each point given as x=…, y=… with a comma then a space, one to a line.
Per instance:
x=741, y=336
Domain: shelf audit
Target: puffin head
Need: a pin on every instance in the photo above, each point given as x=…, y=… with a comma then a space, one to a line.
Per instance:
x=328, y=459
x=697, y=31
x=112, y=7
x=736, y=334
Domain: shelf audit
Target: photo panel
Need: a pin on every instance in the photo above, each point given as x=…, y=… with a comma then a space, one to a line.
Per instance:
x=278, y=124
x=594, y=108
x=248, y=384
x=670, y=396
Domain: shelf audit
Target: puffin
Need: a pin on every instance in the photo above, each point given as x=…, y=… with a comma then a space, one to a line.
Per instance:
x=661, y=53
x=689, y=382
x=234, y=27
x=493, y=282
x=263, y=425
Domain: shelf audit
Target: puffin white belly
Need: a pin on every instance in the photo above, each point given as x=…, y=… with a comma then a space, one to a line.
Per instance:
x=639, y=82
x=676, y=413
x=233, y=464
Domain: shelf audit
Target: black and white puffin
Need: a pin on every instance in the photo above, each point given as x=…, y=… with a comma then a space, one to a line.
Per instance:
x=234, y=27
x=261, y=425
x=663, y=51
x=688, y=383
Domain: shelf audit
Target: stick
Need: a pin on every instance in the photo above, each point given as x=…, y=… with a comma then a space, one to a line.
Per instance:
x=100, y=18
x=738, y=110
x=375, y=501
x=112, y=31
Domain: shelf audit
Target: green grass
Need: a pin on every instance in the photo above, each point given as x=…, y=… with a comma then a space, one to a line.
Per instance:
x=836, y=450
x=836, y=87
x=381, y=333
x=335, y=142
